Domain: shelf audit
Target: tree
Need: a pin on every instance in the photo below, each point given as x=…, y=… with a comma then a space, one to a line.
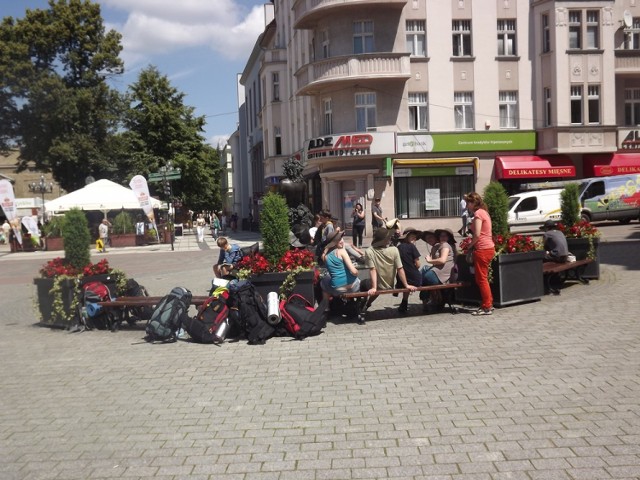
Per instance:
x=497, y=200
x=162, y=129
x=570, y=204
x=54, y=98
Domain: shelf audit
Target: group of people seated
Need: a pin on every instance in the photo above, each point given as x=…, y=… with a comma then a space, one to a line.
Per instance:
x=392, y=266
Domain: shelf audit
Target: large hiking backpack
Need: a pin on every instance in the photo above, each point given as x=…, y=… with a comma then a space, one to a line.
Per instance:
x=300, y=318
x=253, y=312
x=168, y=315
x=93, y=315
x=214, y=311
x=134, y=289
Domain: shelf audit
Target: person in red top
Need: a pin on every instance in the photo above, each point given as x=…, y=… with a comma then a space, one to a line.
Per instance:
x=483, y=250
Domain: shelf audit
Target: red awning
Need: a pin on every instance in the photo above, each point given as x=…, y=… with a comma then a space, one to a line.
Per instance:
x=532, y=166
x=603, y=165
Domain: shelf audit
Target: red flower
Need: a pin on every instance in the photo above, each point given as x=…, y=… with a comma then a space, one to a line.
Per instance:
x=59, y=266
x=257, y=264
x=581, y=229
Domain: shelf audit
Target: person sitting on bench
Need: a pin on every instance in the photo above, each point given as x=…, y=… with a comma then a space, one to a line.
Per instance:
x=410, y=257
x=343, y=275
x=230, y=255
x=384, y=263
x=555, y=243
x=438, y=270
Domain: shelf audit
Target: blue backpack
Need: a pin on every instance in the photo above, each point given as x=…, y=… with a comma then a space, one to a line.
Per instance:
x=167, y=316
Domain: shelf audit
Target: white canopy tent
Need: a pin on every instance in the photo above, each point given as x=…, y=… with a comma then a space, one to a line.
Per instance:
x=102, y=195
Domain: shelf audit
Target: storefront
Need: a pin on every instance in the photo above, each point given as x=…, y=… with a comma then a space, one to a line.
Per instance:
x=607, y=164
x=514, y=170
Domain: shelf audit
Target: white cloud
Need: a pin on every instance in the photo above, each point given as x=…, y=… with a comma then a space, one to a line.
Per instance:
x=219, y=140
x=157, y=27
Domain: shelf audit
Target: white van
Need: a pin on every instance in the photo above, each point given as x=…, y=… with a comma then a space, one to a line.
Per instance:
x=534, y=208
x=610, y=198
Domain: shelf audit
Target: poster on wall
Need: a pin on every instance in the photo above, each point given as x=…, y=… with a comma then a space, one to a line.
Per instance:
x=349, y=201
x=432, y=199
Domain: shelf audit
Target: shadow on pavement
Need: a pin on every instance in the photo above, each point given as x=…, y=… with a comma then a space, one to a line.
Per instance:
x=625, y=254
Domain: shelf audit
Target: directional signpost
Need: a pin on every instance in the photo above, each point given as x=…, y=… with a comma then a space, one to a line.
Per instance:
x=166, y=175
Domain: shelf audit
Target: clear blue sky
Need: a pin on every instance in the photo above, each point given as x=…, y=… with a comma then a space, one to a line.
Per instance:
x=200, y=45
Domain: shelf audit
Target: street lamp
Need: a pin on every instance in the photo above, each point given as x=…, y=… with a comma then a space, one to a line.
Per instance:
x=169, y=173
x=41, y=187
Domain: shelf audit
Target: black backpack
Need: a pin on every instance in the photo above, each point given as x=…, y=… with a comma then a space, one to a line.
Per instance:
x=134, y=289
x=213, y=312
x=301, y=319
x=168, y=315
x=253, y=312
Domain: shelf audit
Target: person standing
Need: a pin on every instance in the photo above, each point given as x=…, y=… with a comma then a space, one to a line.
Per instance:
x=103, y=233
x=6, y=228
x=483, y=250
x=200, y=223
x=215, y=226
x=377, y=220
x=464, y=216
x=357, y=225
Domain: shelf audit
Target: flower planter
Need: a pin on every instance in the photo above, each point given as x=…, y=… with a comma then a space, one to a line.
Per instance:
x=580, y=248
x=45, y=302
x=54, y=243
x=270, y=282
x=123, y=240
x=517, y=278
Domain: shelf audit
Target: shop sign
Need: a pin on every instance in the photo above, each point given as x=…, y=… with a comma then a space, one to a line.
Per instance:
x=350, y=145
x=432, y=199
x=465, y=142
x=448, y=171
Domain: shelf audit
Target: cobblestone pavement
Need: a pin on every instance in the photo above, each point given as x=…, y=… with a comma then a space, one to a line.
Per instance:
x=546, y=390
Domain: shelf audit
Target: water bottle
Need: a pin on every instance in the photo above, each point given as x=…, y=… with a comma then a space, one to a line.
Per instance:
x=222, y=331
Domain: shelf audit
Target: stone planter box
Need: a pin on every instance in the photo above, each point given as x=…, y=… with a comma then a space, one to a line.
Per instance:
x=517, y=278
x=45, y=302
x=123, y=240
x=580, y=248
x=270, y=282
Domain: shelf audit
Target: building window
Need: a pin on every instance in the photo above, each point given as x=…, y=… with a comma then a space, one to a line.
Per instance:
x=547, y=107
x=576, y=105
x=326, y=52
x=463, y=110
x=546, y=34
x=507, y=37
x=363, y=36
x=418, y=111
x=593, y=29
x=575, y=29
x=632, y=106
x=632, y=35
x=416, y=38
x=508, y=105
x=410, y=194
x=365, y=111
x=275, y=79
x=461, y=38
x=278, y=140
x=328, y=117
x=593, y=104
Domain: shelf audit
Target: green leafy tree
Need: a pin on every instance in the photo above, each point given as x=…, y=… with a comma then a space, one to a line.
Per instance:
x=274, y=227
x=570, y=204
x=162, y=129
x=54, y=98
x=77, y=238
x=123, y=224
x=497, y=200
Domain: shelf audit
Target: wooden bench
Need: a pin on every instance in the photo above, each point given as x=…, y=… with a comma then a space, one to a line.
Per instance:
x=552, y=270
x=128, y=303
x=428, y=288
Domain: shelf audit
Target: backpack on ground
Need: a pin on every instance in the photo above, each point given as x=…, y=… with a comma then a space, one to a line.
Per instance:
x=300, y=318
x=168, y=315
x=211, y=314
x=93, y=316
x=253, y=312
x=134, y=289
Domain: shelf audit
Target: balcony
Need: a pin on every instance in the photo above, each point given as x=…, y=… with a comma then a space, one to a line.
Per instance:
x=314, y=78
x=627, y=62
x=307, y=13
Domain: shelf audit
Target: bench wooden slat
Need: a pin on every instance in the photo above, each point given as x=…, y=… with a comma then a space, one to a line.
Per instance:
x=552, y=267
x=406, y=290
x=145, y=301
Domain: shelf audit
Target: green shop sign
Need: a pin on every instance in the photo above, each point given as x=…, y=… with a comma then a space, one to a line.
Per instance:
x=465, y=142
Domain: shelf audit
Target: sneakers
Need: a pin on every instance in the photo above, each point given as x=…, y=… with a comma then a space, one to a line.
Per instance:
x=182, y=334
x=483, y=311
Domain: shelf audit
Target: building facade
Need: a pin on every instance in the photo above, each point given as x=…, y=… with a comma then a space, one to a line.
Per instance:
x=417, y=102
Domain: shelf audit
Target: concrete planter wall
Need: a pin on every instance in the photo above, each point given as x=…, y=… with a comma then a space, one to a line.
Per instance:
x=517, y=278
x=54, y=243
x=123, y=240
x=45, y=302
x=580, y=248
x=270, y=282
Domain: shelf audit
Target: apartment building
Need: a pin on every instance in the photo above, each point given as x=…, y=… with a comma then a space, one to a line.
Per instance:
x=420, y=101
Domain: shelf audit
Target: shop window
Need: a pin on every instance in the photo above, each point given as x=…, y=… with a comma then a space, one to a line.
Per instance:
x=411, y=201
